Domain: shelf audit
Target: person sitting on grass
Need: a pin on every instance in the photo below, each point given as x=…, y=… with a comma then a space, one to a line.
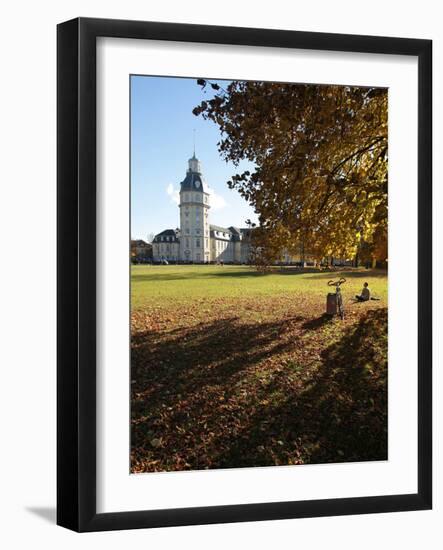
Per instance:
x=365, y=294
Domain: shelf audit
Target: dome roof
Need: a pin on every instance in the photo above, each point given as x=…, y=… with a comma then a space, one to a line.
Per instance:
x=194, y=180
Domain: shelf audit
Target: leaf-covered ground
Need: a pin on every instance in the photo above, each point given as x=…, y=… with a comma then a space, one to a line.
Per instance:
x=234, y=369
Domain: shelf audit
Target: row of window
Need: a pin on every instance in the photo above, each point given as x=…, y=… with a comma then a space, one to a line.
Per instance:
x=216, y=245
x=167, y=238
x=167, y=247
x=221, y=234
x=196, y=197
x=197, y=214
x=197, y=231
x=197, y=243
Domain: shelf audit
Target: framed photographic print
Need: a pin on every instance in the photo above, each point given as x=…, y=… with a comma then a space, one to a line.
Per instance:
x=244, y=274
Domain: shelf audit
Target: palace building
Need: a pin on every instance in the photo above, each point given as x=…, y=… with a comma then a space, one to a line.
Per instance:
x=197, y=241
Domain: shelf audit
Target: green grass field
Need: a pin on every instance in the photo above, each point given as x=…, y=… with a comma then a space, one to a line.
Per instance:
x=232, y=368
x=169, y=284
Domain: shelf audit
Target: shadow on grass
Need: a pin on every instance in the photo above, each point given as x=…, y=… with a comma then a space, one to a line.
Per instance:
x=188, y=276
x=218, y=395
x=356, y=274
x=339, y=416
x=314, y=324
x=227, y=272
x=185, y=361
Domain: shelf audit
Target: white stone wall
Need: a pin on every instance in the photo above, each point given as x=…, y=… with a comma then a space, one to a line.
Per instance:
x=245, y=252
x=227, y=250
x=222, y=249
x=165, y=250
x=194, y=226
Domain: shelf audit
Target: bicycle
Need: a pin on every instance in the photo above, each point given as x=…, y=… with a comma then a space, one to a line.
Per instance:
x=338, y=296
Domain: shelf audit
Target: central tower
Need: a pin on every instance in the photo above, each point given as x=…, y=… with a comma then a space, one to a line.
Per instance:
x=194, y=219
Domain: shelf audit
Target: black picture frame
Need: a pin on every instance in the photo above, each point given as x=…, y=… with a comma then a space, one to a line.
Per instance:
x=76, y=265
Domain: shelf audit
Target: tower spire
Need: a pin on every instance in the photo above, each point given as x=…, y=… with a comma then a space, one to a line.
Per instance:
x=194, y=163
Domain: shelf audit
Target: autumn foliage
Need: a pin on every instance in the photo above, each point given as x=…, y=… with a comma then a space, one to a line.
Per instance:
x=320, y=157
x=234, y=369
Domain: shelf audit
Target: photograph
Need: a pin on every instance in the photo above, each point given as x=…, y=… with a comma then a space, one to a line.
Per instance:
x=258, y=273
x=225, y=327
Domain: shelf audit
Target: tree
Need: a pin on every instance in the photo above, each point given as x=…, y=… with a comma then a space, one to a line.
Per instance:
x=320, y=154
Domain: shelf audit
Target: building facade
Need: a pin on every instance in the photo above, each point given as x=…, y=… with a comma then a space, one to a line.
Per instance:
x=141, y=250
x=196, y=240
x=166, y=246
x=194, y=216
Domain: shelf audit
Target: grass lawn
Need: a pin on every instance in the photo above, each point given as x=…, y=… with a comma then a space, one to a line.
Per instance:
x=232, y=368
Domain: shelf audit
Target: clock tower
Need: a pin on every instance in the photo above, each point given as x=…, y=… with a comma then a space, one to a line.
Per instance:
x=194, y=219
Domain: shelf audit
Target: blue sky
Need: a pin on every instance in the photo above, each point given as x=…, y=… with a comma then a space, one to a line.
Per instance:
x=162, y=127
